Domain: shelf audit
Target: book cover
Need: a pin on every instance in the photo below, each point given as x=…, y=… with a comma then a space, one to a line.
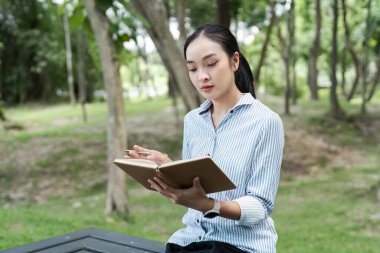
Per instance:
x=178, y=174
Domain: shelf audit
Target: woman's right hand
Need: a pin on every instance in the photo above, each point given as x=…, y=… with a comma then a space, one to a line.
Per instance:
x=153, y=155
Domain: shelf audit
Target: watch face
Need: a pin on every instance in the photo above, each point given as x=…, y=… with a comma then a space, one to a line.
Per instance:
x=211, y=214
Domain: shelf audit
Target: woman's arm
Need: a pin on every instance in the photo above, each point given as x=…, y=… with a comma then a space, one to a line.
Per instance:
x=195, y=198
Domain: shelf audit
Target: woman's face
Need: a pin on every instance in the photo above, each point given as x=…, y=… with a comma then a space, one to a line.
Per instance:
x=211, y=70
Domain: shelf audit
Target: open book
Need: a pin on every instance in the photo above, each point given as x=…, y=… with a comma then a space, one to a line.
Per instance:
x=178, y=174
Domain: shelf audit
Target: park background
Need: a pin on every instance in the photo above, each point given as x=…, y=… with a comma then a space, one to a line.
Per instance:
x=80, y=81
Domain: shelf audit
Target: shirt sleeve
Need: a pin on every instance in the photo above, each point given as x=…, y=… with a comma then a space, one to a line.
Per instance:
x=185, y=142
x=262, y=186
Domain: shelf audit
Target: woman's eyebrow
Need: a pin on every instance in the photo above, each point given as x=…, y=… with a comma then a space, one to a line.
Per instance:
x=204, y=58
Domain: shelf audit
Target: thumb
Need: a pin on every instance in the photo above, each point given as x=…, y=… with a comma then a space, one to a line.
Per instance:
x=197, y=183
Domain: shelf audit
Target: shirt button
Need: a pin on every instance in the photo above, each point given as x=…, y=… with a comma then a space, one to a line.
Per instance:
x=199, y=237
x=198, y=220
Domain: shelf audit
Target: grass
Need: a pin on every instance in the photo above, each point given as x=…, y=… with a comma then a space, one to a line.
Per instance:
x=335, y=210
x=32, y=222
x=329, y=213
x=62, y=120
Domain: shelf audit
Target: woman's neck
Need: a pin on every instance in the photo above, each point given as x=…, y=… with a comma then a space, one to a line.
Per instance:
x=222, y=106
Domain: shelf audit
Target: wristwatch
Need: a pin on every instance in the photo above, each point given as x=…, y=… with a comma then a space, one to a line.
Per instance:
x=215, y=211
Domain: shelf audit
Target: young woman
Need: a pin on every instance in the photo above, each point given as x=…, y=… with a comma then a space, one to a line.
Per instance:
x=243, y=136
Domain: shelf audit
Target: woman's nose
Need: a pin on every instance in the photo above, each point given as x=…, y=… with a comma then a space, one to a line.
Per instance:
x=203, y=76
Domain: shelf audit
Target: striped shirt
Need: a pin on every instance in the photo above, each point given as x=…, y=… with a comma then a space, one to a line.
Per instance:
x=247, y=145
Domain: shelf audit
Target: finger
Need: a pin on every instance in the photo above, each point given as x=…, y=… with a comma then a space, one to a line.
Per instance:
x=163, y=185
x=132, y=154
x=139, y=148
x=161, y=190
x=154, y=185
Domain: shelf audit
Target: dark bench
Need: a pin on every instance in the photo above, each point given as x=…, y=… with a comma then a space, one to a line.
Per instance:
x=91, y=240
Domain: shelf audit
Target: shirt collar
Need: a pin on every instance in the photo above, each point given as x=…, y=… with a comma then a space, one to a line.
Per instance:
x=246, y=99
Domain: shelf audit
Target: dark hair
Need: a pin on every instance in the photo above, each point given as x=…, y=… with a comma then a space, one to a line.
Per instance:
x=222, y=36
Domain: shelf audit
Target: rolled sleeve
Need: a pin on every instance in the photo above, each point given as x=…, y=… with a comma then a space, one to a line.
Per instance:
x=252, y=211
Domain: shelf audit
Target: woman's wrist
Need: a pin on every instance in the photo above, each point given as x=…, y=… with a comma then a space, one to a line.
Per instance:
x=205, y=205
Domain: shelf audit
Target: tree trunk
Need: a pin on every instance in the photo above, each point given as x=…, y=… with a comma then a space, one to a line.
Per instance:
x=81, y=73
x=365, y=61
x=172, y=57
x=376, y=78
x=223, y=16
x=116, y=199
x=70, y=77
x=266, y=43
x=284, y=51
x=336, y=111
x=181, y=15
x=291, y=53
x=314, y=52
x=352, y=51
x=343, y=71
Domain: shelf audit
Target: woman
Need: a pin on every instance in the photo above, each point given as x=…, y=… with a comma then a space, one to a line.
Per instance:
x=243, y=136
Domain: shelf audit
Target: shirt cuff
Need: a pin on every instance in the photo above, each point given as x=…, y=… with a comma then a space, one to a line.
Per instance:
x=252, y=211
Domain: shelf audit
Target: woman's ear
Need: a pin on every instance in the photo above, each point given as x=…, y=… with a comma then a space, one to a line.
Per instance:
x=235, y=61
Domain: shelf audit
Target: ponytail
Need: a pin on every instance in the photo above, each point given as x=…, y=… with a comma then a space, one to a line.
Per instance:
x=244, y=78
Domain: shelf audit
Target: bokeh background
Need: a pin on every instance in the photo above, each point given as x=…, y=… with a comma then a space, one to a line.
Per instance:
x=80, y=81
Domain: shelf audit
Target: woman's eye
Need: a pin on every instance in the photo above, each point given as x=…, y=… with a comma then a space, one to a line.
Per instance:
x=192, y=70
x=212, y=64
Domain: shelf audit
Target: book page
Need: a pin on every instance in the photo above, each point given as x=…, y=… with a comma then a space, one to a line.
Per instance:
x=170, y=164
x=138, y=162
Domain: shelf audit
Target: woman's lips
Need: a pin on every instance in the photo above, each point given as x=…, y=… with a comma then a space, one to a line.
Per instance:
x=206, y=88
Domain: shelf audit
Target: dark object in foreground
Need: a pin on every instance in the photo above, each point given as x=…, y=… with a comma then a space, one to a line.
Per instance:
x=91, y=240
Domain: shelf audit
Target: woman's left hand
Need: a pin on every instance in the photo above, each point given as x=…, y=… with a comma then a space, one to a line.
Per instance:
x=194, y=197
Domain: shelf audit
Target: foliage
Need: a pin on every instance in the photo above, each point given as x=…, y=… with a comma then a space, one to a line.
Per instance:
x=33, y=52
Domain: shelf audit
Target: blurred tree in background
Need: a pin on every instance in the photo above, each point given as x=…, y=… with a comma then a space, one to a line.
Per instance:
x=32, y=53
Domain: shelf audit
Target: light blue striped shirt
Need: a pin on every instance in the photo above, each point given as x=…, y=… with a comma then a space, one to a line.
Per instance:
x=247, y=145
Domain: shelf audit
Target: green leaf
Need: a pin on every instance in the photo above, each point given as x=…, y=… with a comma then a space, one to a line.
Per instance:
x=104, y=4
x=76, y=20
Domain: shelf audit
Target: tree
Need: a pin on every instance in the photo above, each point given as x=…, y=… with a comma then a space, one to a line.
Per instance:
x=32, y=51
x=376, y=77
x=291, y=49
x=284, y=52
x=69, y=64
x=336, y=110
x=266, y=41
x=116, y=198
x=181, y=15
x=314, y=52
x=2, y=114
x=355, y=58
x=288, y=56
x=172, y=57
x=365, y=61
x=223, y=16
x=81, y=72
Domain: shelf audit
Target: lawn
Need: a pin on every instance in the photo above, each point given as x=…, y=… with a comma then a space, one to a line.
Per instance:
x=52, y=181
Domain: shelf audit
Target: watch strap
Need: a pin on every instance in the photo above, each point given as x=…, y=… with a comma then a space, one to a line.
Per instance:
x=215, y=211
